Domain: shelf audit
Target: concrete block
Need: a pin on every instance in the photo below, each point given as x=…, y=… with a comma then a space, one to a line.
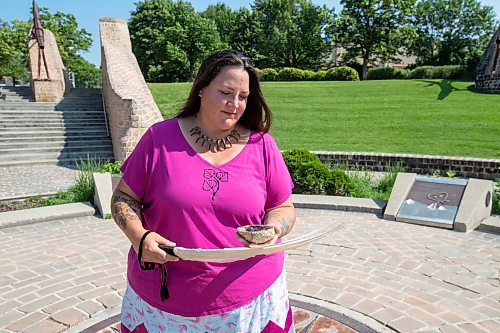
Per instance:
x=490, y=224
x=103, y=191
x=475, y=206
x=403, y=184
x=330, y=202
x=42, y=214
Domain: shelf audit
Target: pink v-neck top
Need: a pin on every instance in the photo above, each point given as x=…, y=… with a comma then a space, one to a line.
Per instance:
x=198, y=205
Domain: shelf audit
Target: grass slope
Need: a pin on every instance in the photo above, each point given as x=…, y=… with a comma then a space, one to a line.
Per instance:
x=438, y=117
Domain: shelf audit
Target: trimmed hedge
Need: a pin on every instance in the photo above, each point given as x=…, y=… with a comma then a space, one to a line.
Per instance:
x=268, y=74
x=387, y=73
x=311, y=176
x=290, y=74
x=438, y=72
x=342, y=73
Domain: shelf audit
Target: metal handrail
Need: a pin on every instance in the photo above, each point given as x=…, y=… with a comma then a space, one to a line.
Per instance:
x=105, y=113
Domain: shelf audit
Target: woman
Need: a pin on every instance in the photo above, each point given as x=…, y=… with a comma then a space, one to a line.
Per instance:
x=191, y=181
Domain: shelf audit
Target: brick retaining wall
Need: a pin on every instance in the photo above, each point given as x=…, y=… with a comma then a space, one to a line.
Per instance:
x=421, y=164
x=129, y=103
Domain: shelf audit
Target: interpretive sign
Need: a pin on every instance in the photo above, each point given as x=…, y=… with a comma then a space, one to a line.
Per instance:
x=453, y=203
x=433, y=201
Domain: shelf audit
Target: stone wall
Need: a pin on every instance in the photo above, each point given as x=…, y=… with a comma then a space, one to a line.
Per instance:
x=421, y=164
x=488, y=69
x=43, y=89
x=488, y=83
x=128, y=101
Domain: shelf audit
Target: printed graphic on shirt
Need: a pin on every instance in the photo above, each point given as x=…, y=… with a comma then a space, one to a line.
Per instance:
x=212, y=180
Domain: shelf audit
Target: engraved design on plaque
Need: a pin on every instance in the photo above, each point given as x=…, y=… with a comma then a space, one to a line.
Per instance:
x=432, y=201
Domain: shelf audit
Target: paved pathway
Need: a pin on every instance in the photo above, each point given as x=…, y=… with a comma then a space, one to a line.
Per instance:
x=65, y=274
x=23, y=181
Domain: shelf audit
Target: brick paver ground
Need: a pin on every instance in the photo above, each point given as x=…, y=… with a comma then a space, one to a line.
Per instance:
x=55, y=275
x=24, y=181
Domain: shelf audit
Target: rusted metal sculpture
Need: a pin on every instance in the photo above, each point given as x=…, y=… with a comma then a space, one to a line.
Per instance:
x=37, y=33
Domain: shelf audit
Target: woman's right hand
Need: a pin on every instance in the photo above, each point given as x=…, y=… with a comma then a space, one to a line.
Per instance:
x=152, y=253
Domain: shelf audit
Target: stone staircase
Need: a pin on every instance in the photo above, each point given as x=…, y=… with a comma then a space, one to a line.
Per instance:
x=65, y=132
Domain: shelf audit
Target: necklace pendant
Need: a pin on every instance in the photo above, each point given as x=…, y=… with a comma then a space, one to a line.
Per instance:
x=219, y=144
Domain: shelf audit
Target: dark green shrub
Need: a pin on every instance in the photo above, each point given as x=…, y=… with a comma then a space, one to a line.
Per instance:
x=311, y=176
x=295, y=157
x=268, y=74
x=496, y=198
x=339, y=183
x=308, y=173
x=319, y=75
x=387, y=73
x=421, y=72
x=448, y=72
x=290, y=74
x=111, y=167
x=438, y=72
x=342, y=73
x=309, y=75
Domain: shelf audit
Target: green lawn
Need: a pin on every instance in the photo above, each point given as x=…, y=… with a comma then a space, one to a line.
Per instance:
x=438, y=117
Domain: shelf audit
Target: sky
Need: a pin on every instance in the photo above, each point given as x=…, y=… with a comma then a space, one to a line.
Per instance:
x=87, y=13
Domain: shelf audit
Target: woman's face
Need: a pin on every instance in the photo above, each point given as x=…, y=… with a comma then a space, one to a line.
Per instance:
x=224, y=100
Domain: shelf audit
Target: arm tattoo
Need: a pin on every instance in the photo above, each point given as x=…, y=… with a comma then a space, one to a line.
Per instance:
x=125, y=209
x=286, y=222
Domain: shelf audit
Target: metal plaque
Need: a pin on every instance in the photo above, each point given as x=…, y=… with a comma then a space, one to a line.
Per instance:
x=432, y=201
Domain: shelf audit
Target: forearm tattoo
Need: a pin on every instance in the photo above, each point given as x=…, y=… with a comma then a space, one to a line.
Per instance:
x=286, y=222
x=125, y=209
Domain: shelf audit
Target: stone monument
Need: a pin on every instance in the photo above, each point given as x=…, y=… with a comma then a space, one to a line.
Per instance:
x=48, y=74
x=488, y=69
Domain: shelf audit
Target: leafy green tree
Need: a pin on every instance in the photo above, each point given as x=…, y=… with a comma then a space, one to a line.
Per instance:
x=451, y=31
x=170, y=39
x=87, y=75
x=14, y=49
x=71, y=41
x=291, y=33
x=245, y=34
x=225, y=19
x=373, y=30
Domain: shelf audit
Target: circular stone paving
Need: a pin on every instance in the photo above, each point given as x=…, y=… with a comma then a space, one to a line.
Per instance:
x=308, y=318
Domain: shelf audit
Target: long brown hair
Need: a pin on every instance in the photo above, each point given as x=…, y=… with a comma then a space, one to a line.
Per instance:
x=257, y=115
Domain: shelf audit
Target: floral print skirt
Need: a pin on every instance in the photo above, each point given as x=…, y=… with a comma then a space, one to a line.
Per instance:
x=268, y=313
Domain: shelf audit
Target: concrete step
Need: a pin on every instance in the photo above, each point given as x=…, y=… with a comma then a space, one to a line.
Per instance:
x=7, y=119
x=75, y=92
x=51, y=149
x=78, y=102
x=12, y=124
x=69, y=139
x=49, y=113
x=85, y=91
x=49, y=106
x=16, y=98
x=16, y=92
x=60, y=144
x=67, y=133
x=60, y=129
x=75, y=156
x=53, y=161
